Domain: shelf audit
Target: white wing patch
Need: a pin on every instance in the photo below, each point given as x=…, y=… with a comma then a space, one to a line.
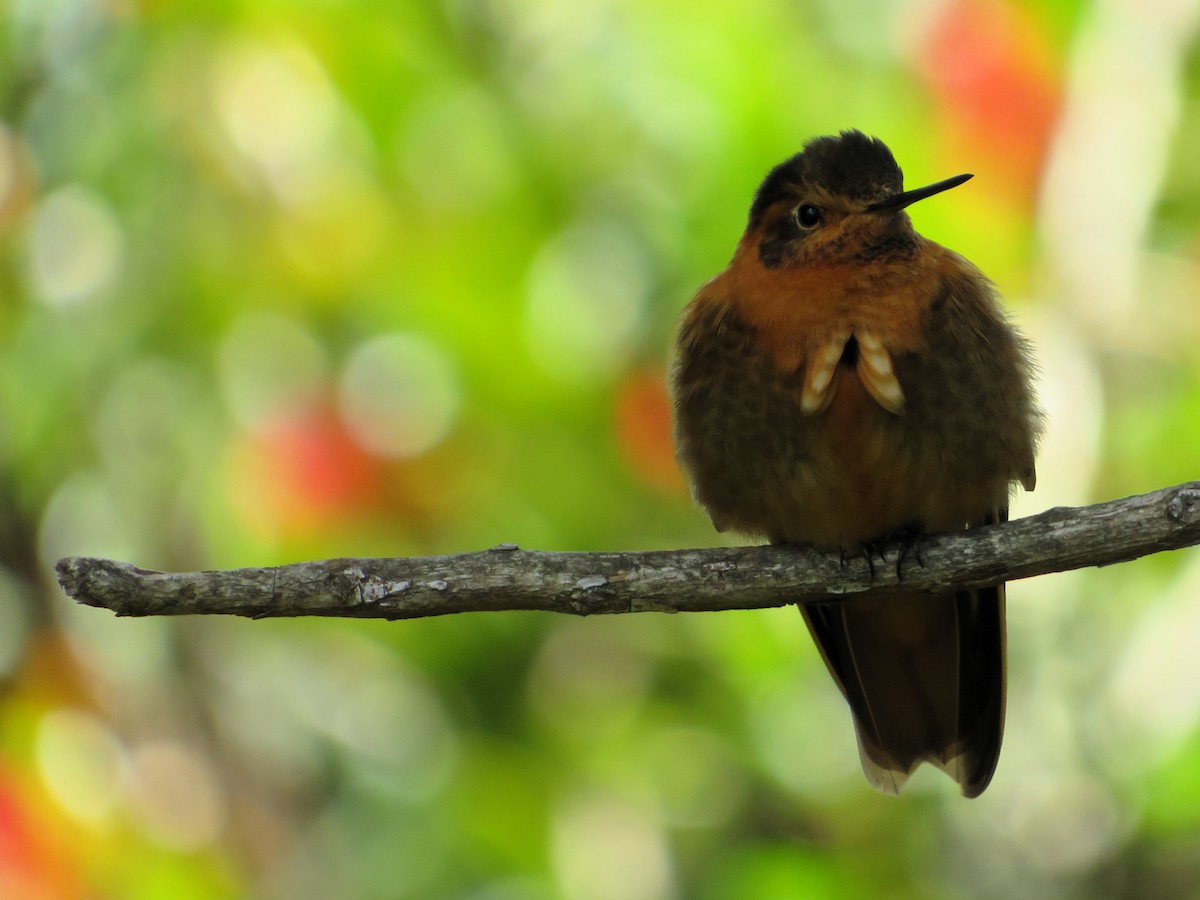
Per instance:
x=821, y=374
x=874, y=370
x=878, y=376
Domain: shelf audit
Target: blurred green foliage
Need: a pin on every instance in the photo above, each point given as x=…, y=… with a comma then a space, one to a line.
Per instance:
x=310, y=279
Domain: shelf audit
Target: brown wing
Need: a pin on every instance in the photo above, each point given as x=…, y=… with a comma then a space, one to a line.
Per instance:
x=741, y=434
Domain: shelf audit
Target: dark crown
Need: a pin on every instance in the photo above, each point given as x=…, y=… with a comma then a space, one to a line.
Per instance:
x=850, y=165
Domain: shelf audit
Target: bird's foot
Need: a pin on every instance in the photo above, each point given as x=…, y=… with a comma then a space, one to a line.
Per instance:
x=909, y=537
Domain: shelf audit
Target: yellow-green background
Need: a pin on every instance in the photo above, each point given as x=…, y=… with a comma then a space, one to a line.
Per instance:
x=291, y=280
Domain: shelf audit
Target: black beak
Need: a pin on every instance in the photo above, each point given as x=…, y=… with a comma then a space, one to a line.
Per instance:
x=910, y=197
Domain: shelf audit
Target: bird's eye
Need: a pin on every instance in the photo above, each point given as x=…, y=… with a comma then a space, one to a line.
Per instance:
x=807, y=216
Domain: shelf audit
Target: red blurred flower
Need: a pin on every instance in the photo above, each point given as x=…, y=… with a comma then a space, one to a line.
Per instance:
x=34, y=864
x=303, y=473
x=990, y=70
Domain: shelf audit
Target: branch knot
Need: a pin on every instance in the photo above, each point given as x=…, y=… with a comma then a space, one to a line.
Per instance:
x=1185, y=506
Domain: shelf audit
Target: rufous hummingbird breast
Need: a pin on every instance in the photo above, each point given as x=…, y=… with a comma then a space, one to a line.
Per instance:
x=846, y=380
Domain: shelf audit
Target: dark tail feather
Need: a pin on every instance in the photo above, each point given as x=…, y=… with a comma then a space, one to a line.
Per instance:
x=981, y=688
x=924, y=677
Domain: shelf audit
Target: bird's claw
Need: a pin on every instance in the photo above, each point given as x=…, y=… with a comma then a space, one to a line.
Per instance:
x=866, y=550
x=910, y=539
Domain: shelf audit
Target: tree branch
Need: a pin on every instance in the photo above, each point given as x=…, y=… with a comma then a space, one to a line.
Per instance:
x=507, y=578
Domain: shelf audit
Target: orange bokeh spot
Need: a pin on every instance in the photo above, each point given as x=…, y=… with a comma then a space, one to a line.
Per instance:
x=991, y=74
x=643, y=426
x=34, y=863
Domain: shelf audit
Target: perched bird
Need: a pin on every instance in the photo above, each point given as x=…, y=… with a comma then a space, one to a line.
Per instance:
x=846, y=380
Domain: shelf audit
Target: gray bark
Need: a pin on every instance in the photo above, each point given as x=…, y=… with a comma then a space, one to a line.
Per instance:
x=508, y=578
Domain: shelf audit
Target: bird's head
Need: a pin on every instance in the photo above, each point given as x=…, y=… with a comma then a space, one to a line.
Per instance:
x=840, y=200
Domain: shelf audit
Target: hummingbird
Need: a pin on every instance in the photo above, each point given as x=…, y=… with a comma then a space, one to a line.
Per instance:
x=845, y=381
